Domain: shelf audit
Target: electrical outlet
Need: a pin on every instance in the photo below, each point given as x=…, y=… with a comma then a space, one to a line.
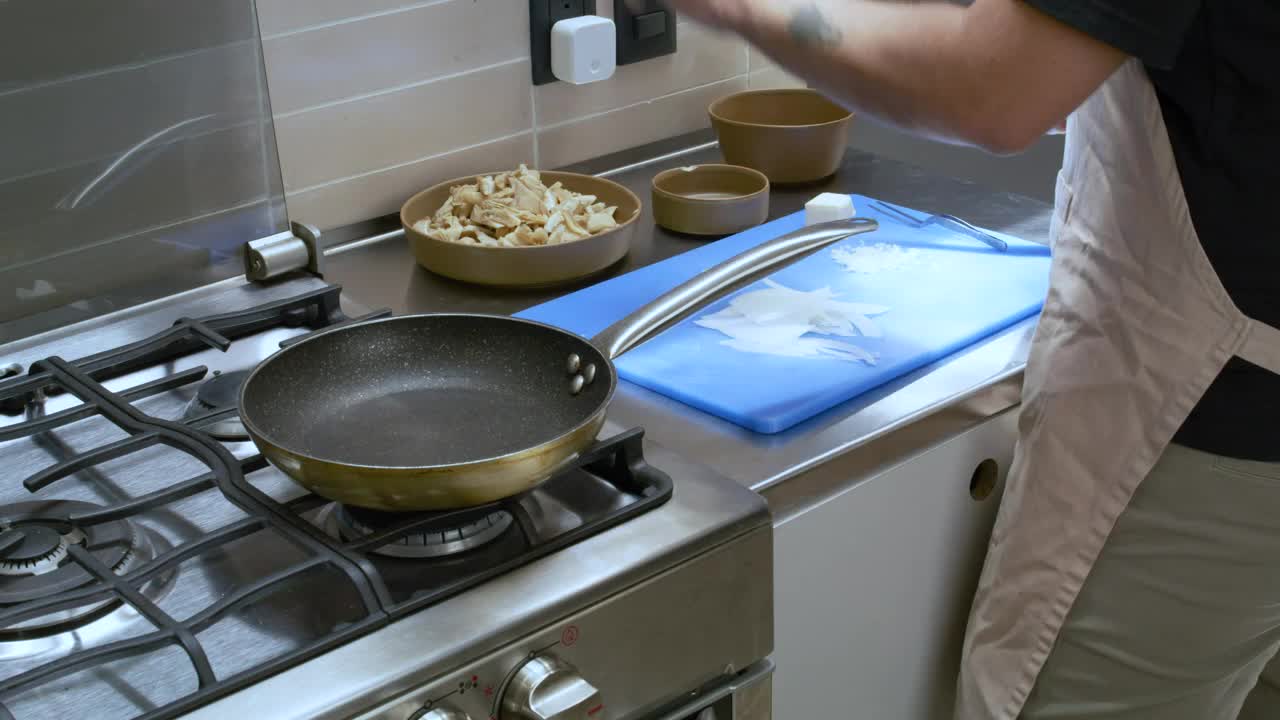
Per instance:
x=543, y=14
x=646, y=30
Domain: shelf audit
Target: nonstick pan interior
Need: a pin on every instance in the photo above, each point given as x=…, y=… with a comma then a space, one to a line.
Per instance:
x=424, y=391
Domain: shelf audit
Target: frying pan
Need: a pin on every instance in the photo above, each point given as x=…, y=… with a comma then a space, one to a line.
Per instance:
x=442, y=411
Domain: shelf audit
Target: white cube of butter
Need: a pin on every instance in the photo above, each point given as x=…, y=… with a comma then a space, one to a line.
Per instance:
x=828, y=207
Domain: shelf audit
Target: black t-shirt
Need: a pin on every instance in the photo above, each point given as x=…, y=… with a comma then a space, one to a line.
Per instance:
x=1216, y=68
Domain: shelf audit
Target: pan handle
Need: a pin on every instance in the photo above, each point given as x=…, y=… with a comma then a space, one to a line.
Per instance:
x=632, y=329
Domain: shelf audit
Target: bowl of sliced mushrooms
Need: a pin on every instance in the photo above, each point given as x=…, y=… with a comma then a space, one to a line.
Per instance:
x=521, y=228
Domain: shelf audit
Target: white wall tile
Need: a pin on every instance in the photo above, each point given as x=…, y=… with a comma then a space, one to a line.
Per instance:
x=633, y=125
x=351, y=138
x=49, y=40
x=389, y=50
x=773, y=77
x=280, y=16
x=119, y=108
x=384, y=191
x=759, y=61
x=176, y=181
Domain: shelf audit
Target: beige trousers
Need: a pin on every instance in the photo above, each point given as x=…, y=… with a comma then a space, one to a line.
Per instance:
x=1181, y=612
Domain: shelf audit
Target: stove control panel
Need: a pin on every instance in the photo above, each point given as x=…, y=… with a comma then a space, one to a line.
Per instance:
x=548, y=688
x=627, y=656
x=440, y=713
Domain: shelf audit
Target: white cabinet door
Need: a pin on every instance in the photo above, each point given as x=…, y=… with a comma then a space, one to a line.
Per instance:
x=873, y=587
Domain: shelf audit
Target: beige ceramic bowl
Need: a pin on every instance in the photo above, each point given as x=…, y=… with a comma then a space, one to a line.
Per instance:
x=791, y=135
x=536, y=266
x=710, y=199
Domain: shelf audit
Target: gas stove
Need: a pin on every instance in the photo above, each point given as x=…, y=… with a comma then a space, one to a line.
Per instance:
x=154, y=565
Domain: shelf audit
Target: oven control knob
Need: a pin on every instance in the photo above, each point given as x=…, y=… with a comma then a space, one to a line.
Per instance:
x=547, y=688
x=442, y=712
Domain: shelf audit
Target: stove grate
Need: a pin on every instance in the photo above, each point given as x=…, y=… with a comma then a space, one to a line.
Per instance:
x=619, y=461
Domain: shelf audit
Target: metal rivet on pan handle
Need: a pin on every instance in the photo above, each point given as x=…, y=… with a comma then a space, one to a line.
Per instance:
x=589, y=373
x=575, y=362
x=576, y=384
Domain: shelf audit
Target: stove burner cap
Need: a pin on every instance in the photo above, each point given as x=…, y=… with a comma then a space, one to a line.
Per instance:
x=37, y=543
x=35, y=549
x=354, y=523
x=35, y=554
x=220, y=392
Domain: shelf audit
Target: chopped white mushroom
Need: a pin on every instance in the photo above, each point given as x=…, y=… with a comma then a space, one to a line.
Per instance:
x=576, y=224
x=528, y=193
x=496, y=214
x=600, y=220
x=553, y=222
x=529, y=236
x=467, y=196
x=515, y=209
x=562, y=194
x=444, y=213
x=486, y=239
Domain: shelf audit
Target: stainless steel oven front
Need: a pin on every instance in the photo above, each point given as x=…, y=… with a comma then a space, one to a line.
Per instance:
x=689, y=643
x=748, y=696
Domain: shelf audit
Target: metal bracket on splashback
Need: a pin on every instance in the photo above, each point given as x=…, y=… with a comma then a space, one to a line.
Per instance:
x=271, y=257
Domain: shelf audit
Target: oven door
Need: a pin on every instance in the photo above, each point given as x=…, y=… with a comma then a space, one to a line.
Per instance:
x=746, y=696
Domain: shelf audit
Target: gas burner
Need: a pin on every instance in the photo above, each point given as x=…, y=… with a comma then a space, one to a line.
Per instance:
x=220, y=392
x=35, y=549
x=349, y=523
x=36, y=561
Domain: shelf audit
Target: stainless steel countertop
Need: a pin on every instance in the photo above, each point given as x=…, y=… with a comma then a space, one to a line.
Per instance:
x=982, y=381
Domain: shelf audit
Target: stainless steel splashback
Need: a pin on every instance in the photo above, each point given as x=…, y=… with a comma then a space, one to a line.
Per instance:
x=137, y=153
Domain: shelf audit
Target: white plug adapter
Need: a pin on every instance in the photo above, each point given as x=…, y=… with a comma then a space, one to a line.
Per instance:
x=584, y=49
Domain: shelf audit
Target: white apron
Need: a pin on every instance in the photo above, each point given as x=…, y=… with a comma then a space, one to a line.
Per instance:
x=1135, y=328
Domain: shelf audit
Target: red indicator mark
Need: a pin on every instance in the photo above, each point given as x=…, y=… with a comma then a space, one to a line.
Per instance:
x=570, y=636
x=488, y=691
x=595, y=710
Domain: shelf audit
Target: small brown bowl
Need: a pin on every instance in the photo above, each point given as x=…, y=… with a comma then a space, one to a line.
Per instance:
x=792, y=135
x=533, y=266
x=710, y=199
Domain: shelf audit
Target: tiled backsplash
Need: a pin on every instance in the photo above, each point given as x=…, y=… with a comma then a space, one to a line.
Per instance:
x=376, y=99
x=134, y=151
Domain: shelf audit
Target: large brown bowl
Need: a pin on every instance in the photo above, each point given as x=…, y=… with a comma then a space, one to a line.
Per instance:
x=535, y=266
x=792, y=135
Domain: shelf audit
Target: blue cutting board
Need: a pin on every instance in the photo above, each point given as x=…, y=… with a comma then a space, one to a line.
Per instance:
x=955, y=292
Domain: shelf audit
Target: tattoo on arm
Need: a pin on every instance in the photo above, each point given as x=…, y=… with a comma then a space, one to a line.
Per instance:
x=810, y=28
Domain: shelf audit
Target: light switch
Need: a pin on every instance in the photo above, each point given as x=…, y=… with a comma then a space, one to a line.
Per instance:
x=646, y=29
x=651, y=25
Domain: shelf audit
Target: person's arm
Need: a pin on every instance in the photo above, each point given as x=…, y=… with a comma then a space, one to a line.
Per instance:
x=997, y=74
